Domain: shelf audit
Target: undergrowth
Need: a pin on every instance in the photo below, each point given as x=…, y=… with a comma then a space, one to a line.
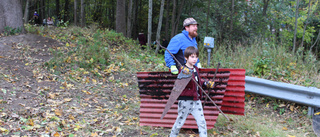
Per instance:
x=268, y=61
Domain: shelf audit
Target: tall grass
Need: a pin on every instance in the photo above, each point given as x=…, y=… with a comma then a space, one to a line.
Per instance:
x=267, y=60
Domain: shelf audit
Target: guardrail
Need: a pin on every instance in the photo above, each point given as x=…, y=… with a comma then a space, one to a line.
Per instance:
x=309, y=96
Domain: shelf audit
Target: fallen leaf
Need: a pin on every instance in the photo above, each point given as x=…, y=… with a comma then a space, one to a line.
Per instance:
x=291, y=108
x=58, y=112
x=71, y=117
x=30, y=122
x=95, y=134
x=56, y=134
x=67, y=99
x=284, y=128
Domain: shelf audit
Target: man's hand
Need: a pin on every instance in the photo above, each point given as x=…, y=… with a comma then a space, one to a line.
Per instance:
x=210, y=84
x=174, y=70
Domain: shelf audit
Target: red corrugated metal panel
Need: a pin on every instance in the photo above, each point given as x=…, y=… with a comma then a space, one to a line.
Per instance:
x=233, y=101
x=155, y=88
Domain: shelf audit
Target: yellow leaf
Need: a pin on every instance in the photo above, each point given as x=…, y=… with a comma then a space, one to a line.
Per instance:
x=267, y=105
x=3, y=129
x=30, y=122
x=71, y=117
x=291, y=108
x=291, y=136
x=26, y=64
x=87, y=80
x=318, y=113
x=67, y=99
x=56, y=134
x=94, y=134
x=67, y=45
x=94, y=81
x=51, y=95
x=58, y=112
x=85, y=72
x=284, y=128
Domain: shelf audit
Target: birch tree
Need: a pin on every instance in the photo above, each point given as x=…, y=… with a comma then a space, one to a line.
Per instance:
x=149, y=24
x=159, y=25
x=295, y=27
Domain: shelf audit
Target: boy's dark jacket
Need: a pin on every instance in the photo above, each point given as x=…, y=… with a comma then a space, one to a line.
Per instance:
x=190, y=92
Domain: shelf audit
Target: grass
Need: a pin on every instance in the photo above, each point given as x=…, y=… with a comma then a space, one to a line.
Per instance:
x=265, y=60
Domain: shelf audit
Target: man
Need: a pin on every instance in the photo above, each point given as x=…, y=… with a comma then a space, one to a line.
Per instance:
x=180, y=42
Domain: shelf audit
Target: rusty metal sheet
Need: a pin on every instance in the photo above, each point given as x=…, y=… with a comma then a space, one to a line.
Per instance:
x=155, y=88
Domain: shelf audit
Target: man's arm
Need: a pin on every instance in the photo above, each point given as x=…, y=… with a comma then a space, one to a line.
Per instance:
x=173, y=47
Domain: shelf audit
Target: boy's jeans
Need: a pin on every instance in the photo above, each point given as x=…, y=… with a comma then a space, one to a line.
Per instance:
x=185, y=107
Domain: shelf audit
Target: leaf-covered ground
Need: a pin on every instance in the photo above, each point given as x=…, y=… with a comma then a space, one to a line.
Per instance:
x=37, y=101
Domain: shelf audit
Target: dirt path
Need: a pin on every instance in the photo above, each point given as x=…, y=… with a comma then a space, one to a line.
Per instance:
x=36, y=103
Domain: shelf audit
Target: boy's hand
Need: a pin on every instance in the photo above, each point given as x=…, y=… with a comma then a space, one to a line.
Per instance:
x=174, y=70
x=185, y=70
x=210, y=84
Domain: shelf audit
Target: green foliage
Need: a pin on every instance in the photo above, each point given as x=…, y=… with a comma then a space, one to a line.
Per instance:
x=11, y=31
x=261, y=66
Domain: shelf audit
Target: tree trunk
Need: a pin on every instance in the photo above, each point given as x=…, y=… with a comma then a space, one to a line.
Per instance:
x=178, y=17
x=173, y=17
x=305, y=25
x=208, y=14
x=129, y=19
x=75, y=13
x=295, y=28
x=167, y=20
x=26, y=12
x=134, y=20
x=149, y=24
x=66, y=11
x=121, y=17
x=11, y=15
x=231, y=18
x=82, y=14
x=159, y=25
x=315, y=41
x=42, y=10
x=58, y=8
x=265, y=7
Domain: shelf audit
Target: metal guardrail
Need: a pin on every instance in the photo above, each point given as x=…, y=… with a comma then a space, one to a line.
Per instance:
x=309, y=96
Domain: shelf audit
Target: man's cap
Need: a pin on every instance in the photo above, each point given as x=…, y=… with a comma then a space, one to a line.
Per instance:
x=189, y=21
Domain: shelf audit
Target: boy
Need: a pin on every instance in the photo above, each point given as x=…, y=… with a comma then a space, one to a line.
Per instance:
x=189, y=99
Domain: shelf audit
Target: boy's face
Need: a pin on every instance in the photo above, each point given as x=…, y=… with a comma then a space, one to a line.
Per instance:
x=192, y=59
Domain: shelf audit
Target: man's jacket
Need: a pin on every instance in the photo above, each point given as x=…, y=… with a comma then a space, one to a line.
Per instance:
x=176, y=46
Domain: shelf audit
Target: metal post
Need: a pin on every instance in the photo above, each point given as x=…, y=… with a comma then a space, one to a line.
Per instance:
x=209, y=52
x=310, y=111
x=209, y=44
